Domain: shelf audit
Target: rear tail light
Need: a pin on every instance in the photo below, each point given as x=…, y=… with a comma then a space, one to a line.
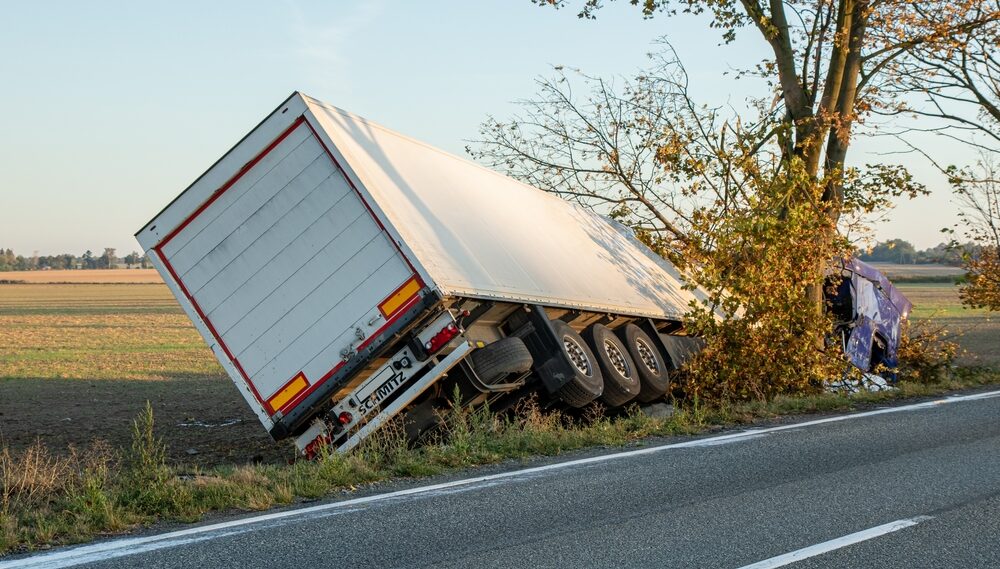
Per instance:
x=441, y=338
x=345, y=418
x=312, y=449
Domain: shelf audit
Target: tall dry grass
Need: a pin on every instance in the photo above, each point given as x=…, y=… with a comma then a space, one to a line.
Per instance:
x=36, y=483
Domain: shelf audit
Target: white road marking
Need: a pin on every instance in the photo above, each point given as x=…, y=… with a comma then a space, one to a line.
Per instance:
x=73, y=556
x=840, y=542
x=747, y=436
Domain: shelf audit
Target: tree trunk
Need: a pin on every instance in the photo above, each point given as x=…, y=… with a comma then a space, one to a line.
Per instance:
x=839, y=100
x=840, y=135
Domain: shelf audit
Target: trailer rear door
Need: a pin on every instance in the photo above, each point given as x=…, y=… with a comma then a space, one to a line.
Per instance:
x=289, y=269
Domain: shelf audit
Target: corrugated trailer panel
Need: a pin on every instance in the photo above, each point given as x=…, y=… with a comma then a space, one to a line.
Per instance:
x=275, y=170
x=200, y=192
x=283, y=268
x=326, y=227
x=480, y=234
x=306, y=196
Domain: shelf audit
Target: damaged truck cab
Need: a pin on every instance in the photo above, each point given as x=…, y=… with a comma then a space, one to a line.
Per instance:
x=869, y=312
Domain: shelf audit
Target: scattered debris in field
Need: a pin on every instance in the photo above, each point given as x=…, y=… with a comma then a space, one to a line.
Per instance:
x=868, y=382
x=204, y=425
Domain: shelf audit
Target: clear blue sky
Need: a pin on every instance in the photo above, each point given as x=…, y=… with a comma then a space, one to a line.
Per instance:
x=109, y=109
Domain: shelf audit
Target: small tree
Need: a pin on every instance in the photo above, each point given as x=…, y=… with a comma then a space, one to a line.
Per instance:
x=978, y=192
x=715, y=193
x=712, y=192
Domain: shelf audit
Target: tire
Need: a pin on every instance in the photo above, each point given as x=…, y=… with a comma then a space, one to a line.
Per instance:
x=587, y=382
x=422, y=418
x=498, y=359
x=653, y=383
x=621, y=381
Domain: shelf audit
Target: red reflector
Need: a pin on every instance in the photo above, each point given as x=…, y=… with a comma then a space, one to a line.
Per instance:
x=441, y=338
x=345, y=418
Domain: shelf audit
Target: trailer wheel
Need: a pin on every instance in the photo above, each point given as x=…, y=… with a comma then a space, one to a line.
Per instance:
x=587, y=382
x=500, y=358
x=621, y=381
x=654, y=379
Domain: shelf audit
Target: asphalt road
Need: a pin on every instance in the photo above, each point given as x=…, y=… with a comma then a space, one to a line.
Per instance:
x=915, y=487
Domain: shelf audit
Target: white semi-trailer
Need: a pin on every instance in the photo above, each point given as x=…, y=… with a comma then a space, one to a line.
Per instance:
x=343, y=274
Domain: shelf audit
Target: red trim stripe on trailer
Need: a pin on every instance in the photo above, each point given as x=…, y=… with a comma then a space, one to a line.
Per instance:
x=158, y=249
x=246, y=168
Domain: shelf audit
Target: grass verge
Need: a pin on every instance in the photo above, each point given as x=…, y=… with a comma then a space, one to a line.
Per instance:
x=47, y=499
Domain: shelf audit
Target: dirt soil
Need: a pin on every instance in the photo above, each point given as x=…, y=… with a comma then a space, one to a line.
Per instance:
x=204, y=422
x=79, y=361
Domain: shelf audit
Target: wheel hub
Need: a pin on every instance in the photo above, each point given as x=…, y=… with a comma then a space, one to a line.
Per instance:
x=576, y=355
x=646, y=355
x=617, y=358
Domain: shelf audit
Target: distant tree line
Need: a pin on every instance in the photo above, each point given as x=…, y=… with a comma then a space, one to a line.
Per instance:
x=9, y=261
x=903, y=252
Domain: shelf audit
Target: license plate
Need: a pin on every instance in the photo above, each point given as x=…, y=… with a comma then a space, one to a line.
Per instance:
x=384, y=382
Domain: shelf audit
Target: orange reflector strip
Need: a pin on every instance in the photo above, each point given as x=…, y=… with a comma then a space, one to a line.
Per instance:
x=288, y=392
x=399, y=298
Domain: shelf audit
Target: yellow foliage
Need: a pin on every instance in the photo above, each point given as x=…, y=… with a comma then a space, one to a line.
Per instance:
x=982, y=288
x=925, y=353
x=763, y=257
